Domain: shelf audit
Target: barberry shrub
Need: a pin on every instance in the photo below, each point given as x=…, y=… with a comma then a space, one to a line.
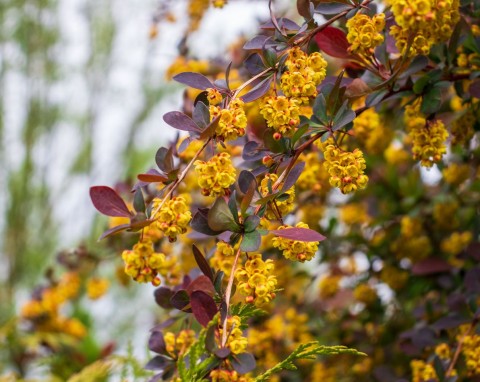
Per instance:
x=323, y=189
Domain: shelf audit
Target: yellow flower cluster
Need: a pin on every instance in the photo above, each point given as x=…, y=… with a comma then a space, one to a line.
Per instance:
x=216, y=175
x=178, y=344
x=369, y=130
x=428, y=21
x=236, y=342
x=329, y=286
x=214, y=96
x=281, y=113
x=219, y=3
x=314, y=176
x=345, y=168
x=422, y=372
x=455, y=174
x=233, y=121
x=468, y=62
x=173, y=218
x=183, y=64
x=256, y=280
x=284, y=206
x=470, y=350
x=445, y=215
x=142, y=263
x=412, y=243
x=293, y=249
x=228, y=376
x=456, y=242
x=354, y=213
x=364, y=33
x=462, y=128
x=223, y=257
x=443, y=351
x=44, y=310
x=428, y=137
x=394, y=277
x=196, y=9
x=396, y=155
x=365, y=293
x=304, y=72
x=97, y=287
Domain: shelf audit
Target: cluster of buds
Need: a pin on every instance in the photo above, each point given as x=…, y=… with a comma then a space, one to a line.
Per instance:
x=215, y=176
x=143, y=264
x=293, y=249
x=43, y=310
x=232, y=122
x=256, y=280
x=282, y=114
x=369, y=130
x=280, y=206
x=304, y=72
x=364, y=33
x=345, y=168
x=173, y=216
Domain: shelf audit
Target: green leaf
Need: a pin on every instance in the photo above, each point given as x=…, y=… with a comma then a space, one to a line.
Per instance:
x=320, y=108
x=220, y=218
x=251, y=223
x=270, y=57
x=432, y=100
x=138, y=201
x=251, y=242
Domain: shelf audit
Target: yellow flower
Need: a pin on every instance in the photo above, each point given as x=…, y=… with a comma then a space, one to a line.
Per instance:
x=142, y=263
x=329, y=286
x=217, y=175
x=97, y=287
x=281, y=113
x=455, y=174
x=293, y=249
x=365, y=293
x=233, y=121
x=173, y=218
x=364, y=33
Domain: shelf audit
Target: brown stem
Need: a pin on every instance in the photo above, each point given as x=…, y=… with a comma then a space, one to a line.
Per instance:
x=228, y=294
x=459, y=349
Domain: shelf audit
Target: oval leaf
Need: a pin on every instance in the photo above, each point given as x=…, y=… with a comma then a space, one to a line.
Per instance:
x=108, y=202
x=194, y=80
x=293, y=176
x=258, y=91
x=202, y=262
x=203, y=307
x=220, y=218
x=333, y=41
x=299, y=234
x=181, y=121
x=332, y=8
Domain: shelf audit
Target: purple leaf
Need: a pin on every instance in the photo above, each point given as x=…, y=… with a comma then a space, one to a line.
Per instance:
x=474, y=89
x=202, y=262
x=163, y=296
x=201, y=283
x=180, y=300
x=333, y=41
x=223, y=353
x=181, y=121
x=108, y=202
x=293, y=176
x=157, y=363
x=156, y=343
x=299, y=234
x=194, y=80
x=283, y=22
x=430, y=266
x=203, y=307
x=258, y=91
x=151, y=178
x=256, y=43
x=243, y=363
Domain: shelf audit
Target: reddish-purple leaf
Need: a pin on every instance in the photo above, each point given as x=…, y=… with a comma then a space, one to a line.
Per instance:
x=156, y=342
x=299, y=234
x=180, y=300
x=162, y=297
x=333, y=41
x=474, y=89
x=151, y=178
x=258, y=91
x=108, y=202
x=256, y=43
x=114, y=230
x=203, y=307
x=283, y=23
x=202, y=262
x=194, y=80
x=181, y=121
x=244, y=363
x=430, y=266
x=201, y=283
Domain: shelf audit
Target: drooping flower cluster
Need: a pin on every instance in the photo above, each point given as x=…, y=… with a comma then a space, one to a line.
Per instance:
x=455, y=174
x=456, y=242
x=173, y=217
x=345, y=168
x=282, y=114
x=233, y=121
x=97, y=287
x=216, y=175
x=281, y=206
x=228, y=376
x=423, y=23
x=44, y=309
x=293, y=249
x=422, y=371
x=236, y=342
x=314, y=176
x=143, y=264
x=369, y=130
x=214, y=96
x=428, y=137
x=364, y=33
x=412, y=243
x=462, y=128
x=470, y=350
x=304, y=72
x=365, y=294
x=329, y=286
x=178, y=344
x=223, y=257
x=256, y=280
